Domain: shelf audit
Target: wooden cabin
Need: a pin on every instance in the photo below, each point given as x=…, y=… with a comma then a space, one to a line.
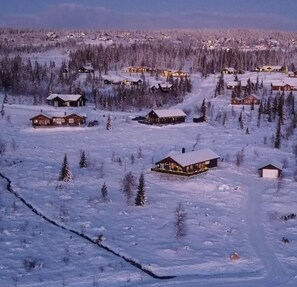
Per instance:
x=179, y=74
x=229, y=71
x=187, y=164
x=232, y=85
x=135, y=69
x=163, y=87
x=86, y=69
x=41, y=120
x=247, y=100
x=280, y=86
x=271, y=170
x=235, y=84
x=270, y=69
x=292, y=74
x=236, y=101
x=166, y=73
x=173, y=116
x=64, y=100
x=75, y=119
x=251, y=99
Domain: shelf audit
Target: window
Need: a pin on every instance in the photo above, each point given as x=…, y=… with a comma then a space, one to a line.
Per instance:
x=71, y=121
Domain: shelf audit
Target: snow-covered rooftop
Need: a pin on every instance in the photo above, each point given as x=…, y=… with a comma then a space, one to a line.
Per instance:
x=274, y=163
x=64, y=97
x=170, y=113
x=185, y=159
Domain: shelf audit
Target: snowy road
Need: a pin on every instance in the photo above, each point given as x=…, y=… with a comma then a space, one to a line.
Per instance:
x=276, y=274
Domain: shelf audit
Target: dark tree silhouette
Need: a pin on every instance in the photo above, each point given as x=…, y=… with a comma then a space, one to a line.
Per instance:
x=141, y=197
x=65, y=174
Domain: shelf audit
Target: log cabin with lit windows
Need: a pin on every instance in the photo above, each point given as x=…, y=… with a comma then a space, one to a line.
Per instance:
x=188, y=164
x=161, y=117
x=281, y=86
x=247, y=100
x=43, y=120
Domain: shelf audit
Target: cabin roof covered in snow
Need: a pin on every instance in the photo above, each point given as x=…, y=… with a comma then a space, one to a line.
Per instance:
x=58, y=114
x=64, y=97
x=169, y=113
x=276, y=164
x=188, y=158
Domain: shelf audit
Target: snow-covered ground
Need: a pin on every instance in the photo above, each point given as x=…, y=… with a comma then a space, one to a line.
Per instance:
x=229, y=208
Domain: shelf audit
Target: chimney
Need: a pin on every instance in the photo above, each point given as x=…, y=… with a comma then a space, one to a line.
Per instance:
x=183, y=150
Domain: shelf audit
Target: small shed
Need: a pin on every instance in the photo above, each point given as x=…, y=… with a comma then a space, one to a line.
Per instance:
x=271, y=170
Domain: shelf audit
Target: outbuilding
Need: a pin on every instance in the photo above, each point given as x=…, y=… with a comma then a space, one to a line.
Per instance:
x=271, y=170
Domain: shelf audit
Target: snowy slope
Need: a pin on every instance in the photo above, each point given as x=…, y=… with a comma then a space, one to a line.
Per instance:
x=229, y=208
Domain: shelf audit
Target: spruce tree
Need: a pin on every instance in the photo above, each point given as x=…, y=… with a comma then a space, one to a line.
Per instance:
x=104, y=192
x=65, y=174
x=83, y=163
x=240, y=120
x=277, y=140
x=108, y=123
x=140, y=197
x=203, y=109
x=2, y=112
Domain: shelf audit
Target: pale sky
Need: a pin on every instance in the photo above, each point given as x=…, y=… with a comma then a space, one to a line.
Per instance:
x=149, y=14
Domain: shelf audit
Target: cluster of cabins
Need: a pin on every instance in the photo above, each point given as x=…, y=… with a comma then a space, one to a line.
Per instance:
x=185, y=163
x=266, y=68
x=162, y=72
x=194, y=162
x=58, y=119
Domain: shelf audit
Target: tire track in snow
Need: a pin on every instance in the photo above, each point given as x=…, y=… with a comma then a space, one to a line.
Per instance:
x=275, y=271
x=40, y=214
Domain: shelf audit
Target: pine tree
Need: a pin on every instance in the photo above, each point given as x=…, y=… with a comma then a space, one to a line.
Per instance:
x=65, y=174
x=83, y=163
x=2, y=112
x=277, y=140
x=108, y=123
x=203, y=109
x=140, y=198
x=104, y=192
x=240, y=120
x=281, y=108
